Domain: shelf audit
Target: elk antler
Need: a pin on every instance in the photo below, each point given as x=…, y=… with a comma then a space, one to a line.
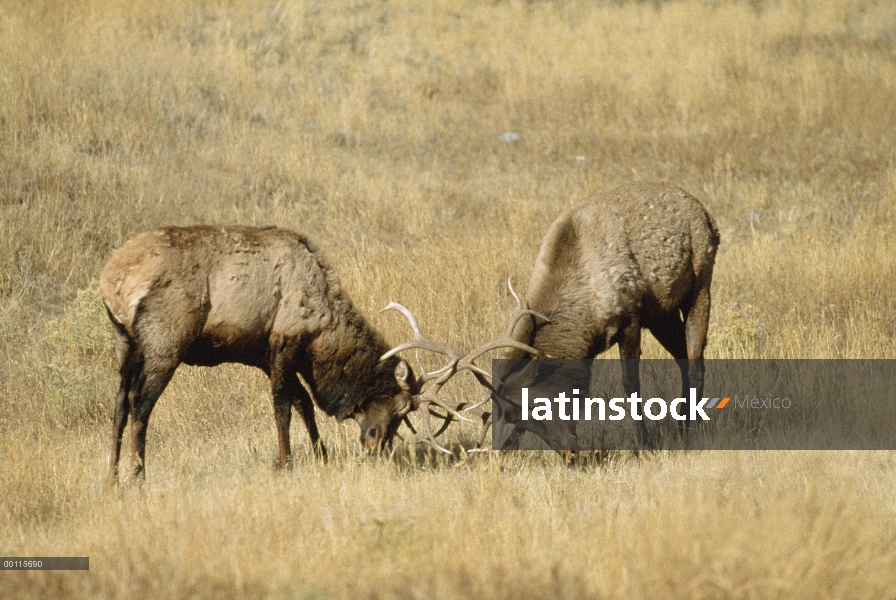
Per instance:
x=456, y=362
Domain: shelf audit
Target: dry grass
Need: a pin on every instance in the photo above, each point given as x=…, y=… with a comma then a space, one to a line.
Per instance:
x=376, y=128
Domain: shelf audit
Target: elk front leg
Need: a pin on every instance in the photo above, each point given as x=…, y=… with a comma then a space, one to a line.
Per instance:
x=305, y=407
x=288, y=392
x=630, y=355
x=281, y=390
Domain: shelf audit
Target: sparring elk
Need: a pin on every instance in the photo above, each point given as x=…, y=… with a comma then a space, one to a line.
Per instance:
x=638, y=257
x=258, y=296
x=641, y=256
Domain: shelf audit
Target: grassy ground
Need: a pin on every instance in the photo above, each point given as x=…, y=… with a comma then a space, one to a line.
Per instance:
x=376, y=128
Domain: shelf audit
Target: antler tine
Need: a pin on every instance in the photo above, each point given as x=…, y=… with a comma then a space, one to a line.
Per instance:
x=505, y=341
x=519, y=303
x=518, y=315
x=446, y=421
x=407, y=315
x=502, y=342
x=420, y=341
x=430, y=396
x=478, y=371
x=445, y=418
x=484, y=399
x=428, y=436
x=520, y=310
x=420, y=368
x=427, y=377
x=486, y=423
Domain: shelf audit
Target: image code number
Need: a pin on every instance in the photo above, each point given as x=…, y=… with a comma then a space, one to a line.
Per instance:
x=43, y=563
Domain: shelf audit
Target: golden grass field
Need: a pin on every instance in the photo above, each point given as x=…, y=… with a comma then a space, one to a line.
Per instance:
x=375, y=127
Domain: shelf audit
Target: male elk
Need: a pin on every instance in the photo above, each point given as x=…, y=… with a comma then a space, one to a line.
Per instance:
x=638, y=257
x=261, y=297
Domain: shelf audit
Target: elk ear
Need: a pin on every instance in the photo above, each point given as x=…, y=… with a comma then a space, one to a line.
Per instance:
x=404, y=376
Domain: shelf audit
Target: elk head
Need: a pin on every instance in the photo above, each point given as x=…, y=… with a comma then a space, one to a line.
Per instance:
x=380, y=416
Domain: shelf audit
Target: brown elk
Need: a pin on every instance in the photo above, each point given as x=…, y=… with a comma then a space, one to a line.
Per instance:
x=640, y=256
x=257, y=296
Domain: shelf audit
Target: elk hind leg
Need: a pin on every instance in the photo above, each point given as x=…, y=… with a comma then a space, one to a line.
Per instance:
x=696, y=327
x=148, y=384
x=129, y=369
x=148, y=381
x=669, y=331
x=162, y=338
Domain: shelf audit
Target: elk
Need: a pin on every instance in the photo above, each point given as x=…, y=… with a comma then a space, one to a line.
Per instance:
x=262, y=297
x=640, y=256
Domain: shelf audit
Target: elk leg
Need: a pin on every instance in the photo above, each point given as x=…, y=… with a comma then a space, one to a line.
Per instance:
x=696, y=326
x=289, y=392
x=128, y=370
x=305, y=407
x=282, y=390
x=670, y=333
x=150, y=381
x=630, y=355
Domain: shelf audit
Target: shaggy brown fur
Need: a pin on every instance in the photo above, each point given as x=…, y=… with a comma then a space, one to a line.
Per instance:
x=638, y=257
x=261, y=297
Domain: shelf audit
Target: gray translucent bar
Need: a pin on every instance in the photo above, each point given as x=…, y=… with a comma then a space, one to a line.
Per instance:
x=45, y=563
x=751, y=404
